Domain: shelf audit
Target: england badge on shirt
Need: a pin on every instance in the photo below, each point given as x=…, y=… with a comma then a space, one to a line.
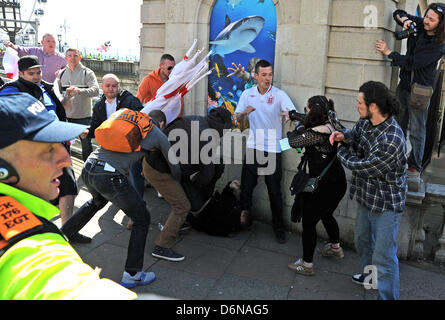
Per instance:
x=269, y=99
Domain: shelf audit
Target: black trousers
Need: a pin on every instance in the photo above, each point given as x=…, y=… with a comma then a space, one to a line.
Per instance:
x=253, y=166
x=321, y=205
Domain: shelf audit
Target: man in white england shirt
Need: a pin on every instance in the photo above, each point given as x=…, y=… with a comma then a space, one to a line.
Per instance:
x=265, y=105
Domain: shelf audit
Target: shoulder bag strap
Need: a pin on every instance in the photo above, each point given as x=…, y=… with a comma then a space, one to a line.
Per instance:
x=302, y=164
x=327, y=168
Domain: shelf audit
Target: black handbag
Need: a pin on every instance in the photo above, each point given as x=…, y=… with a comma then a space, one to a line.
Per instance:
x=302, y=182
x=300, y=179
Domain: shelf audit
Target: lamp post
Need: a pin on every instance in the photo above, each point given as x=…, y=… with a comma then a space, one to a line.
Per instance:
x=10, y=18
x=59, y=38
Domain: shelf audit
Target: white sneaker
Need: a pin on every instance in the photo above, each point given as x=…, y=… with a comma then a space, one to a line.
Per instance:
x=329, y=251
x=139, y=279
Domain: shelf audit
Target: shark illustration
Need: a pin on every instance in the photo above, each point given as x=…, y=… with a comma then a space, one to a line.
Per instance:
x=237, y=35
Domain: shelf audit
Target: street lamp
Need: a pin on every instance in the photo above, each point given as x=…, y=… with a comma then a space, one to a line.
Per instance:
x=59, y=38
x=10, y=17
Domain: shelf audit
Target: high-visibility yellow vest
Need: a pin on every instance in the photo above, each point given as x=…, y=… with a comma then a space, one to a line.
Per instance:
x=44, y=265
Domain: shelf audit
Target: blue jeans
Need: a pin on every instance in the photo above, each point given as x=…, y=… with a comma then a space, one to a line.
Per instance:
x=107, y=186
x=375, y=238
x=417, y=127
x=87, y=146
x=136, y=178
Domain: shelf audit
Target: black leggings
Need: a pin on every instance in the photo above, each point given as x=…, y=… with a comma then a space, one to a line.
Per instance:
x=320, y=206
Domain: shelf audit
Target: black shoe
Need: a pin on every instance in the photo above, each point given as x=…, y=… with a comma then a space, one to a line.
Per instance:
x=167, y=254
x=79, y=238
x=281, y=236
x=358, y=278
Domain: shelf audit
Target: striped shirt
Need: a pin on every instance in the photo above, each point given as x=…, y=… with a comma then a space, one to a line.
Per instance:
x=377, y=159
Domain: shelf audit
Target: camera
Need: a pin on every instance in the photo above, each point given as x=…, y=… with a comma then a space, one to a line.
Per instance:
x=411, y=31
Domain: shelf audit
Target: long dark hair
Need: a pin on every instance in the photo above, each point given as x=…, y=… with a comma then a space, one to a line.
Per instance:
x=318, y=114
x=378, y=93
x=439, y=32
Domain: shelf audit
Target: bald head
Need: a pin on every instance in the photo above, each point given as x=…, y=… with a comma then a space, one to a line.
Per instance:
x=110, y=86
x=111, y=76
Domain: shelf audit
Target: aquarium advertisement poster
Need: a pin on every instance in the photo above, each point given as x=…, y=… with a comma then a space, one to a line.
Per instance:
x=241, y=33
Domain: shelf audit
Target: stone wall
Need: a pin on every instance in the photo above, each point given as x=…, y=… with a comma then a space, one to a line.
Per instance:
x=322, y=47
x=128, y=72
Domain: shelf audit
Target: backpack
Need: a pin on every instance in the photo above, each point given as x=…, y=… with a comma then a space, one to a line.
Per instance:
x=124, y=130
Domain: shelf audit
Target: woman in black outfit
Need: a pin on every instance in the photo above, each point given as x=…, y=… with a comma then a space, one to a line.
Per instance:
x=320, y=205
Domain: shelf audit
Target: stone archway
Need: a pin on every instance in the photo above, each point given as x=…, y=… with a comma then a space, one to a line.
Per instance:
x=201, y=32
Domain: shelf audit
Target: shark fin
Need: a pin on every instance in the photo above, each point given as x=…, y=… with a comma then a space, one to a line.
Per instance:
x=227, y=21
x=248, y=48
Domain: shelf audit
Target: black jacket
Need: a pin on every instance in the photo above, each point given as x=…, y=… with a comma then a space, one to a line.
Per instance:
x=124, y=100
x=29, y=87
x=422, y=55
x=218, y=119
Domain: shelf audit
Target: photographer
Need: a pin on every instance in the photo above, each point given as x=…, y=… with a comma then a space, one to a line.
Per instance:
x=426, y=38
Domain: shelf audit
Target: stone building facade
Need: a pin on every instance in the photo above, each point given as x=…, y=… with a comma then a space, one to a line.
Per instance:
x=322, y=47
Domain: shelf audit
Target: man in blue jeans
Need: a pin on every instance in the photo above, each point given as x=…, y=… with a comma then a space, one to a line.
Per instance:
x=105, y=174
x=375, y=151
x=417, y=66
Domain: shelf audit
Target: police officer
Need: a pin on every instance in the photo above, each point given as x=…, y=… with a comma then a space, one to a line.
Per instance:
x=36, y=261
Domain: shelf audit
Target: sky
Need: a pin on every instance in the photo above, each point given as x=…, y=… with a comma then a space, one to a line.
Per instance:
x=92, y=22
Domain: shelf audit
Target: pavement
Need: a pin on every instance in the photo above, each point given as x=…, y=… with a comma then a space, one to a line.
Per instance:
x=252, y=265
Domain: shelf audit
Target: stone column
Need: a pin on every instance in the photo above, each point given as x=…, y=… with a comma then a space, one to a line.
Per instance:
x=352, y=58
x=152, y=37
x=435, y=193
x=439, y=256
x=411, y=235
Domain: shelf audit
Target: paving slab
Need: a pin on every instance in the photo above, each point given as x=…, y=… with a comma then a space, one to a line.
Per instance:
x=177, y=284
x=236, y=287
x=251, y=265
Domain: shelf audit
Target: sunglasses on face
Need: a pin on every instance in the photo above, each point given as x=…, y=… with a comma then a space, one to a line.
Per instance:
x=169, y=68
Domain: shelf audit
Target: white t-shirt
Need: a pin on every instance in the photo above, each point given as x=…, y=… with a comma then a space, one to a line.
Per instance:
x=265, y=122
x=111, y=107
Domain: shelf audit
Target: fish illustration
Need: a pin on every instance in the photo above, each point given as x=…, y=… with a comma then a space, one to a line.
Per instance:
x=237, y=35
x=272, y=35
x=217, y=70
x=220, y=84
x=233, y=3
x=260, y=1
